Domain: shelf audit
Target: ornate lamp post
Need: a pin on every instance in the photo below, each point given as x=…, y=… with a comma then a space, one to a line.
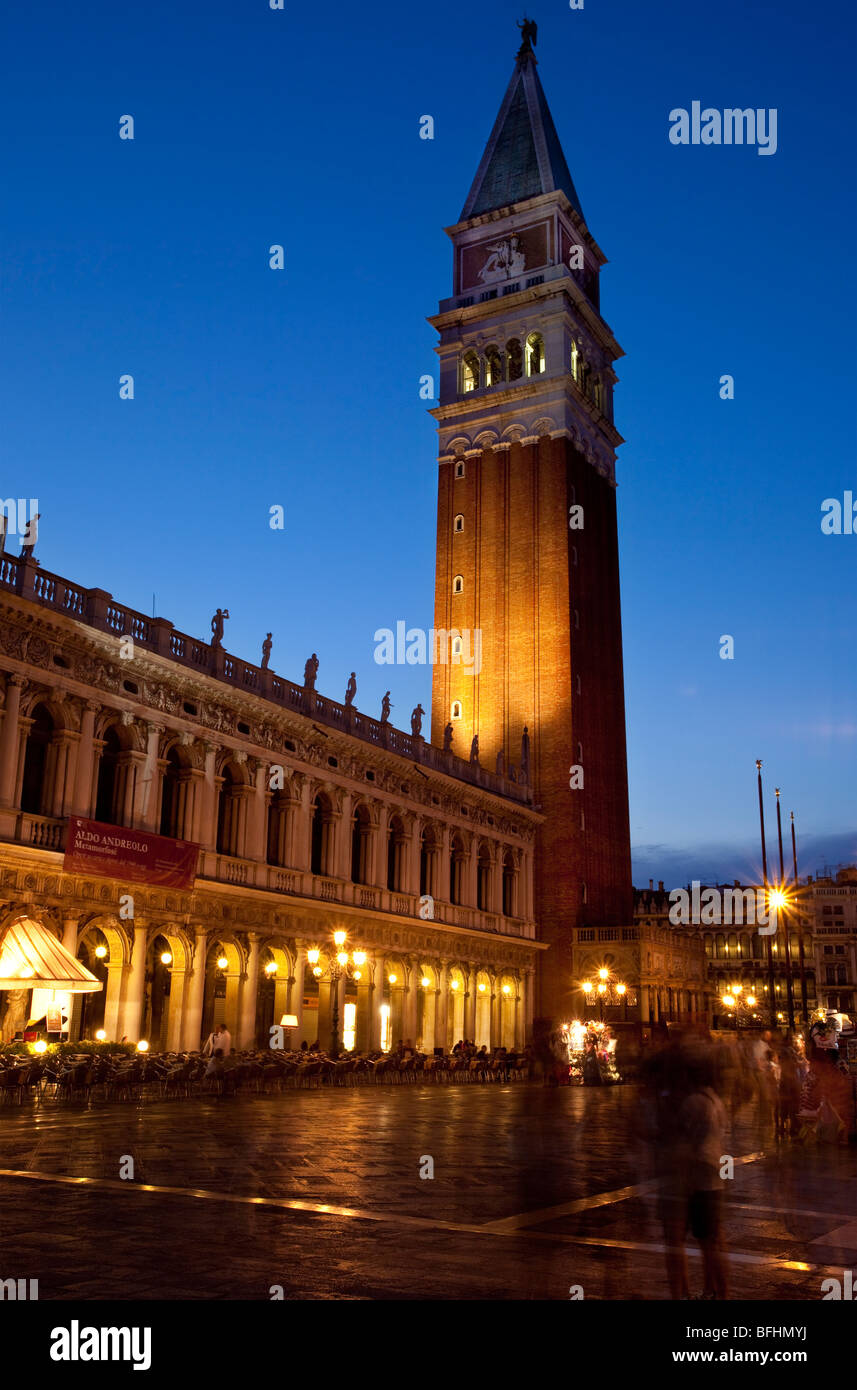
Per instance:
x=608, y=991
x=338, y=964
x=742, y=1007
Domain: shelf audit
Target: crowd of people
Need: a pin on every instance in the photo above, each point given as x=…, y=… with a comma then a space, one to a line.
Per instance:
x=694, y=1090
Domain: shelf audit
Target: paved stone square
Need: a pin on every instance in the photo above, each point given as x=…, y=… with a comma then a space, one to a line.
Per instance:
x=534, y=1190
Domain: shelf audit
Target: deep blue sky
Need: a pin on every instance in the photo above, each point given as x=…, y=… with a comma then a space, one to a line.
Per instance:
x=301, y=387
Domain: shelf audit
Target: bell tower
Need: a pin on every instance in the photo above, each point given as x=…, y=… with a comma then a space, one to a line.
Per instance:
x=527, y=546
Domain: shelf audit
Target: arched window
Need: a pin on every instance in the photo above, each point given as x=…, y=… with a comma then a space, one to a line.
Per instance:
x=34, y=788
x=107, y=806
x=514, y=360
x=456, y=709
x=428, y=861
x=456, y=649
x=361, y=825
x=456, y=869
x=483, y=880
x=458, y=524
x=459, y=468
x=278, y=826
x=510, y=885
x=535, y=354
x=231, y=811
x=458, y=584
x=720, y=946
x=321, y=841
x=493, y=366
x=395, y=853
x=470, y=372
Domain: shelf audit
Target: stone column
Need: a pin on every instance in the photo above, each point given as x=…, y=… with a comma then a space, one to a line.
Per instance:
x=132, y=1007
x=496, y=1032
x=149, y=801
x=377, y=999
x=409, y=1002
x=441, y=1017
x=441, y=886
x=64, y=760
x=113, y=1000
x=470, y=1005
x=84, y=772
x=256, y=846
x=206, y=829
x=645, y=1015
x=411, y=857
x=518, y=1006
x=339, y=859
x=249, y=991
x=470, y=869
x=363, y=1040
x=9, y=739
x=69, y=933
x=325, y=1014
x=528, y=980
x=296, y=988
x=192, y=1031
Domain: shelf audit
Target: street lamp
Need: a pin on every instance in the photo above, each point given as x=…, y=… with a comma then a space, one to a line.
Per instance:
x=608, y=991
x=743, y=1008
x=342, y=963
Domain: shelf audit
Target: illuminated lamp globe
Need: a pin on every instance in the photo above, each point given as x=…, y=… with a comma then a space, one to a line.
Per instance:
x=317, y=970
x=40, y=1046
x=313, y=955
x=339, y=938
x=100, y=1035
x=586, y=986
x=359, y=957
x=482, y=988
x=507, y=989
x=425, y=982
x=621, y=989
x=358, y=974
x=392, y=979
x=602, y=974
x=342, y=957
x=166, y=958
x=751, y=1000
x=453, y=984
x=222, y=962
x=101, y=952
x=142, y=1045
x=271, y=968
x=602, y=989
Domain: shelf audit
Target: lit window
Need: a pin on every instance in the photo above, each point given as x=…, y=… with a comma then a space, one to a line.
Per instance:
x=458, y=584
x=456, y=647
x=470, y=372
x=348, y=1027
x=535, y=354
x=456, y=709
x=385, y=1027
x=458, y=524
x=493, y=366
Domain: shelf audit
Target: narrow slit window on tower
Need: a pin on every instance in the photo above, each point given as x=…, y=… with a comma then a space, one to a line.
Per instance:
x=535, y=354
x=577, y=687
x=458, y=584
x=456, y=709
x=598, y=393
x=576, y=618
x=459, y=468
x=458, y=524
x=456, y=647
x=574, y=554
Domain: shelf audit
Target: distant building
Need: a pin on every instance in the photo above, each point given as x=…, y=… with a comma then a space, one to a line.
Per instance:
x=831, y=904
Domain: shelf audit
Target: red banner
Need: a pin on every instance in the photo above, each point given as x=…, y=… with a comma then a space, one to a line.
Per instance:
x=136, y=856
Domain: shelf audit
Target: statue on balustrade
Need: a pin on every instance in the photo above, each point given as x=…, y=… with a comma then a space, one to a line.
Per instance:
x=266, y=651
x=217, y=626
x=417, y=721
x=474, y=750
x=30, y=536
x=350, y=690
x=310, y=672
x=525, y=754
x=447, y=738
x=385, y=709
x=501, y=763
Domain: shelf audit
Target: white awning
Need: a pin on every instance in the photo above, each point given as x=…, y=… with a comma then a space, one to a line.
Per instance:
x=31, y=957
